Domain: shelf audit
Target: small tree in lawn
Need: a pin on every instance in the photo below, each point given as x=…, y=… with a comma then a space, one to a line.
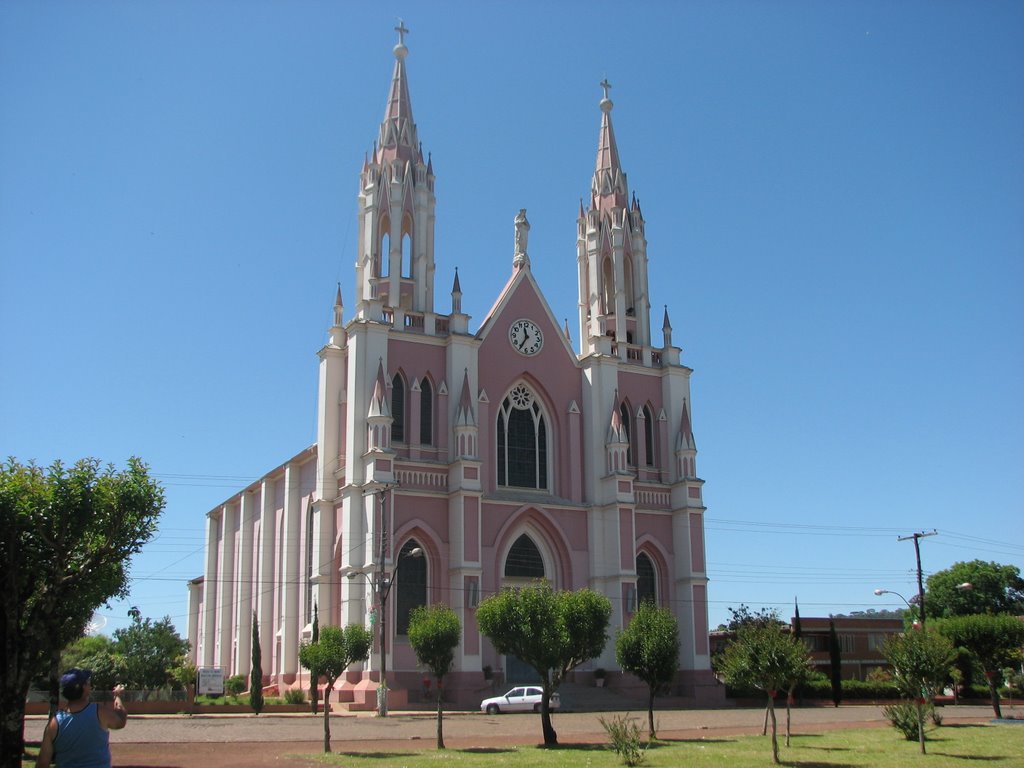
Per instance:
x=920, y=662
x=553, y=632
x=764, y=657
x=649, y=648
x=256, y=675
x=330, y=656
x=434, y=634
x=995, y=642
x=835, y=660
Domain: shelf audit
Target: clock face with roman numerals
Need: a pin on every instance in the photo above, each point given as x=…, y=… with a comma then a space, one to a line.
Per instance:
x=525, y=337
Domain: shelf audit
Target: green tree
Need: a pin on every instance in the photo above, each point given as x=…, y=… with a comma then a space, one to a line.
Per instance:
x=649, y=648
x=97, y=653
x=994, y=642
x=150, y=651
x=765, y=657
x=256, y=674
x=835, y=662
x=434, y=634
x=66, y=541
x=331, y=655
x=994, y=588
x=920, y=661
x=553, y=632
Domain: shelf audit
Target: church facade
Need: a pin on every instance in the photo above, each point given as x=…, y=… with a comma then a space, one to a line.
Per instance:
x=452, y=463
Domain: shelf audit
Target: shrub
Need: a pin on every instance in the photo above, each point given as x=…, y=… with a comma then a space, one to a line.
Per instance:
x=294, y=696
x=624, y=732
x=234, y=685
x=903, y=716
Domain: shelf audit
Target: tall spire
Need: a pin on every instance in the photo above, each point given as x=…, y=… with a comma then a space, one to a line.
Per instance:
x=397, y=130
x=609, y=185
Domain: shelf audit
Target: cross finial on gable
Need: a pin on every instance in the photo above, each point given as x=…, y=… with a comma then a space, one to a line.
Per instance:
x=402, y=31
x=606, y=85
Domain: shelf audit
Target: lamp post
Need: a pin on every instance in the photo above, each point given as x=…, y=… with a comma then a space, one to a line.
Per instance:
x=383, y=588
x=879, y=592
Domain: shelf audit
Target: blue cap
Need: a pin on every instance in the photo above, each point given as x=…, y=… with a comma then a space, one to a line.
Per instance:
x=73, y=681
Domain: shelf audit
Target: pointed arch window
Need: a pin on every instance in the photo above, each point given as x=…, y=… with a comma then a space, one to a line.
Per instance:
x=627, y=279
x=524, y=560
x=411, y=572
x=646, y=580
x=426, y=412
x=649, y=436
x=522, y=438
x=607, y=287
x=628, y=427
x=397, y=409
x=384, y=257
x=309, y=562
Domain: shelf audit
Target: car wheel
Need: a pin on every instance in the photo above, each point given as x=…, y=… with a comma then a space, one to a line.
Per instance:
x=536, y=707
x=492, y=709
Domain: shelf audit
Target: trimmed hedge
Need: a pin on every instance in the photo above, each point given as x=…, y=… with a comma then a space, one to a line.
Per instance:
x=822, y=689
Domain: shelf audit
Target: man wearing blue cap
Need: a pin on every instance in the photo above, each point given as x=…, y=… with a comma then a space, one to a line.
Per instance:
x=79, y=736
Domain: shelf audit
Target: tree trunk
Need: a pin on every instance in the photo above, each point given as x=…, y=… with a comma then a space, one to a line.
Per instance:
x=775, y=734
x=327, y=718
x=764, y=727
x=920, y=723
x=12, y=737
x=789, y=702
x=650, y=713
x=54, y=680
x=994, y=694
x=550, y=736
x=440, y=717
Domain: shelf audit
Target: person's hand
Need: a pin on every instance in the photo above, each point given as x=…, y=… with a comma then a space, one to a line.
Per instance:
x=119, y=690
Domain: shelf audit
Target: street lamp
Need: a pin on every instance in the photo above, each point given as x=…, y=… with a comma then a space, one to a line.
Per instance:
x=383, y=587
x=961, y=587
x=879, y=592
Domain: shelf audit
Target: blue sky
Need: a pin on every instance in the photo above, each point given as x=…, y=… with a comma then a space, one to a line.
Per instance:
x=834, y=197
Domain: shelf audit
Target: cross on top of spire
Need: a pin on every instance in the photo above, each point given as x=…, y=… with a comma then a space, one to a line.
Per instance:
x=606, y=85
x=402, y=31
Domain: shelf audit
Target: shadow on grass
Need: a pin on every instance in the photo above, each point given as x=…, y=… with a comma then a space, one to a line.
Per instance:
x=666, y=742
x=994, y=758
x=377, y=755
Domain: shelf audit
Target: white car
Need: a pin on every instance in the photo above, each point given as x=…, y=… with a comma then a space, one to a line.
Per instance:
x=522, y=698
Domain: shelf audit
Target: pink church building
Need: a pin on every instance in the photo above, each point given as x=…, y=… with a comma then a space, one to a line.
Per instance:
x=451, y=463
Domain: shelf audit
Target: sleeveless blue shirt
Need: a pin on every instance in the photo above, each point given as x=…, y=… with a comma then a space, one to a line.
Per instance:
x=81, y=741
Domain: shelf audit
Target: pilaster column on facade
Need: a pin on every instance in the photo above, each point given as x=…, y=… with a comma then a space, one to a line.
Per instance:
x=325, y=568
x=575, y=437
x=210, y=591
x=367, y=347
x=412, y=436
x=247, y=512
x=290, y=626
x=266, y=581
x=443, y=421
x=195, y=599
x=226, y=587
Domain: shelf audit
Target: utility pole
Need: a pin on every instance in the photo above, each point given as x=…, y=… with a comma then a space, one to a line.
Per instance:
x=920, y=582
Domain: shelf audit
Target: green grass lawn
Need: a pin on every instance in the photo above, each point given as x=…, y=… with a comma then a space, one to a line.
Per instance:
x=950, y=745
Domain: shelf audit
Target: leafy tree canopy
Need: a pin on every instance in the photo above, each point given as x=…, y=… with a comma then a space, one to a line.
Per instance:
x=67, y=537
x=994, y=588
x=434, y=634
x=649, y=648
x=150, y=651
x=920, y=660
x=553, y=632
x=764, y=657
x=995, y=642
x=743, y=616
x=333, y=652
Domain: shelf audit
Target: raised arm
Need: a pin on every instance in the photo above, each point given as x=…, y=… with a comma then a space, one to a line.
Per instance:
x=113, y=717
